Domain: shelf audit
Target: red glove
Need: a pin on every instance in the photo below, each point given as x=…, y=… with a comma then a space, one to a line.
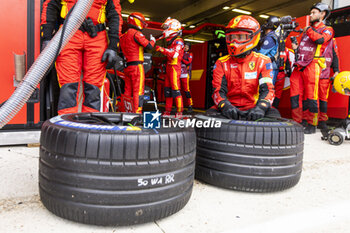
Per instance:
x=159, y=49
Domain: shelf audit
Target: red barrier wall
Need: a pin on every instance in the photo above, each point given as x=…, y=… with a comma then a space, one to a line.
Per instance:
x=14, y=39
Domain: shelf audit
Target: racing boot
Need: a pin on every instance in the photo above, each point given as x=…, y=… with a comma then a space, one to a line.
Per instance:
x=310, y=129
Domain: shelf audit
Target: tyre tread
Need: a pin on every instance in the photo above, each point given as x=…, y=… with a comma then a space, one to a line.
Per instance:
x=108, y=157
x=276, y=151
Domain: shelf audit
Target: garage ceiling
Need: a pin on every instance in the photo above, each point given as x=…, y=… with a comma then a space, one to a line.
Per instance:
x=196, y=12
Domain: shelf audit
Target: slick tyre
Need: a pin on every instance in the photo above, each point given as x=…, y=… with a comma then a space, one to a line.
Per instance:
x=96, y=169
x=250, y=156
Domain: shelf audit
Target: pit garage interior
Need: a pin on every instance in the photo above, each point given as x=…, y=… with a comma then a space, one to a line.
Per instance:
x=203, y=24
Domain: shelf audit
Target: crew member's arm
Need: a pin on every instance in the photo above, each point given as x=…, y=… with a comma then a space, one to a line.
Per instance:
x=288, y=67
x=220, y=91
x=171, y=53
x=113, y=23
x=140, y=39
x=320, y=38
x=49, y=18
x=266, y=88
x=335, y=62
x=219, y=84
x=189, y=60
x=290, y=59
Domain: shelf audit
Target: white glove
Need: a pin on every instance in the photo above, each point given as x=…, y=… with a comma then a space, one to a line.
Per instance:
x=152, y=38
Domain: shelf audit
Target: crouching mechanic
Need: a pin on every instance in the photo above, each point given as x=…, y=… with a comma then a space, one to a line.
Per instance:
x=174, y=53
x=132, y=44
x=242, y=80
x=87, y=50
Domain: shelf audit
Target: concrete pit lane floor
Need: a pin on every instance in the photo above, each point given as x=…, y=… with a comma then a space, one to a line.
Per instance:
x=319, y=203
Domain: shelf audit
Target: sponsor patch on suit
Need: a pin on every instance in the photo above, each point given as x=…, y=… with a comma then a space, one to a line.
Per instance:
x=250, y=75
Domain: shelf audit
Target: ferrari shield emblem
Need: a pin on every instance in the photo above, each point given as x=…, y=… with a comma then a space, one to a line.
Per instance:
x=252, y=65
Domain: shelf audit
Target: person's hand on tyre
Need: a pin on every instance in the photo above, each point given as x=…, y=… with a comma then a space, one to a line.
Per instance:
x=110, y=56
x=228, y=110
x=255, y=113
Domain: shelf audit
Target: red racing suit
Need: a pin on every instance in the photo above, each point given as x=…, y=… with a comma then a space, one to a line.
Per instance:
x=304, y=81
x=186, y=68
x=284, y=72
x=325, y=81
x=174, y=54
x=245, y=82
x=82, y=53
x=132, y=44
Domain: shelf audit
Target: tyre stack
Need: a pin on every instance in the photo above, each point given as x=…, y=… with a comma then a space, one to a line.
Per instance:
x=96, y=169
x=250, y=156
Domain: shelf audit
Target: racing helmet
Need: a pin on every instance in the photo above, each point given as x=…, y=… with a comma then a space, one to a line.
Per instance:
x=171, y=27
x=271, y=23
x=342, y=83
x=242, y=35
x=322, y=7
x=137, y=20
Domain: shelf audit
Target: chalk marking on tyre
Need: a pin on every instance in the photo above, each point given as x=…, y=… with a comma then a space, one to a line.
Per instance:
x=168, y=179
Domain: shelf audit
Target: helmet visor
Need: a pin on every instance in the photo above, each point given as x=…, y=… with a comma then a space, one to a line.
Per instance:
x=138, y=21
x=144, y=23
x=165, y=26
x=238, y=37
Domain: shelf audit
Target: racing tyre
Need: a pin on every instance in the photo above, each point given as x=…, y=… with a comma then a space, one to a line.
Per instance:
x=263, y=156
x=96, y=169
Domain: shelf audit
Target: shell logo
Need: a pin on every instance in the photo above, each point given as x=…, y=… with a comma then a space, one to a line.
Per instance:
x=343, y=79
